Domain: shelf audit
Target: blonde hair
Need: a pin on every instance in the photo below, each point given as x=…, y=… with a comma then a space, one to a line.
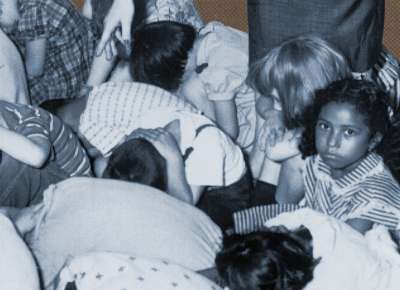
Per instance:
x=296, y=69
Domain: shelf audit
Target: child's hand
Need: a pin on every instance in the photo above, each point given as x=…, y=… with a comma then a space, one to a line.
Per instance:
x=118, y=18
x=272, y=130
x=164, y=142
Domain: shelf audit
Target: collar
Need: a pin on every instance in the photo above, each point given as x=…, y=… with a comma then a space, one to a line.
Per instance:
x=371, y=164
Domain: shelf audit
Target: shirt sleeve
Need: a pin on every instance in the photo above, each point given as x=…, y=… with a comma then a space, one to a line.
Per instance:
x=221, y=78
x=378, y=201
x=205, y=165
x=33, y=22
x=32, y=124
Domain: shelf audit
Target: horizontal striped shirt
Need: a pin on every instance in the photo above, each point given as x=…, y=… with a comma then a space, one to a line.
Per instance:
x=31, y=122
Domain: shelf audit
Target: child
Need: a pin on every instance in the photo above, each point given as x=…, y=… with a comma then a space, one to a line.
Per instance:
x=309, y=250
x=137, y=160
x=35, y=138
x=189, y=156
x=58, y=44
x=207, y=69
x=343, y=175
x=286, y=78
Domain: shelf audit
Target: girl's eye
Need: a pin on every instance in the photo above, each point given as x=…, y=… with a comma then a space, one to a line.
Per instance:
x=349, y=132
x=322, y=125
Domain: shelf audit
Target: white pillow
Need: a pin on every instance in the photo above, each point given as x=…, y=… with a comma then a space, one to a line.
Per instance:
x=108, y=271
x=17, y=267
x=83, y=215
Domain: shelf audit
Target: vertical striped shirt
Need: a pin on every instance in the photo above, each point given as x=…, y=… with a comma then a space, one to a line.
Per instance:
x=368, y=192
x=31, y=122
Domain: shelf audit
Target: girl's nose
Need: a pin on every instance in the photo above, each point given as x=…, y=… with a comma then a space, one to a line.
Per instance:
x=334, y=139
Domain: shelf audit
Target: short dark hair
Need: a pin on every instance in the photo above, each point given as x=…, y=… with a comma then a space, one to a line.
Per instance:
x=267, y=260
x=137, y=160
x=365, y=96
x=160, y=52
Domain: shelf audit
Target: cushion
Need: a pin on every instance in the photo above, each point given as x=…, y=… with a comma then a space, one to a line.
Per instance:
x=108, y=271
x=89, y=214
x=17, y=267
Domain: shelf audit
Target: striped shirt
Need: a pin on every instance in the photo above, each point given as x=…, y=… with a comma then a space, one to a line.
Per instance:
x=368, y=192
x=31, y=122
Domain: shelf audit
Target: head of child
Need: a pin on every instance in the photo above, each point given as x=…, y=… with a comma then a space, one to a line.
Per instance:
x=268, y=260
x=137, y=160
x=9, y=14
x=346, y=121
x=160, y=53
x=291, y=73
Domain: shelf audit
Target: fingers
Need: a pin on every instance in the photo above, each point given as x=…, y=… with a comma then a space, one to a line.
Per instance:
x=105, y=37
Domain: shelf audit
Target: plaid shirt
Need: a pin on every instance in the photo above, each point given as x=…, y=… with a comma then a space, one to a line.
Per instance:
x=71, y=40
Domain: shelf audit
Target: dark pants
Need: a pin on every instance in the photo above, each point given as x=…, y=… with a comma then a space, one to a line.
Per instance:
x=220, y=203
x=354, y=26
x=22, y=185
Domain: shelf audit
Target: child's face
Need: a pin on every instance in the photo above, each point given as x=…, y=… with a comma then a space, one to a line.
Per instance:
x=8, y=13
x=342, y=137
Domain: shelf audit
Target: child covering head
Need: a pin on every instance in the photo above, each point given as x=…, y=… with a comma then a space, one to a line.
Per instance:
x=208, y=69
x=58, y=44
x=343, y=175
x=137, y=160
x=287, y=78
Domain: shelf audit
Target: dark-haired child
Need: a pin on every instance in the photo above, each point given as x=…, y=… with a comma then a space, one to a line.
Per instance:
x=207, y=68
x=310, y=250
x=344, y=177
x=137, y=160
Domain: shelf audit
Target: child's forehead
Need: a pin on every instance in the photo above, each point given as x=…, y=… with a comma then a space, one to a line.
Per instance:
x=343, y=112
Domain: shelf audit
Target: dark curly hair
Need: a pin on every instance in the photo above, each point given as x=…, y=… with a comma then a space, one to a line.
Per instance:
x=267, y=260
x=366, y=97
x=137, y=160
x=160, y=52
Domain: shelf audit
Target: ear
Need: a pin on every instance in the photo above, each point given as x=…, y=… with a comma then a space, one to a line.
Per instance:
x=374, y=141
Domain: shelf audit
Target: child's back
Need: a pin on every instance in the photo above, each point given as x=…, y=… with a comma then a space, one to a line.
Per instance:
x=67, y=52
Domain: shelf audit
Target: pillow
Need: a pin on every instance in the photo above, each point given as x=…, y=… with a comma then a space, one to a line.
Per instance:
x=109, y=271
x=17, y=267
x=83, y=215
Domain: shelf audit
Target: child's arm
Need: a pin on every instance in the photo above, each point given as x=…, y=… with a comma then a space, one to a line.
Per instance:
x=291, y=185
x=35, y=56
x=226, y=117
x=32, y=151
x=166, y=145
x=360, y=225
x=100, y=69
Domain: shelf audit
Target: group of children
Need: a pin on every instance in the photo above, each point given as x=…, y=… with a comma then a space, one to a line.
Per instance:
x=186, y=114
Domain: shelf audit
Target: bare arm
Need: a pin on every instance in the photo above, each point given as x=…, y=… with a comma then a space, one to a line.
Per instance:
x=35, y=57
x=226, y=117
x=32, y=151
x=360, y=225
x=291, y=185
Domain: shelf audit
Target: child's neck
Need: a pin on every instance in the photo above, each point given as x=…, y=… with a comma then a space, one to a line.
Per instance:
x=339, y=173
